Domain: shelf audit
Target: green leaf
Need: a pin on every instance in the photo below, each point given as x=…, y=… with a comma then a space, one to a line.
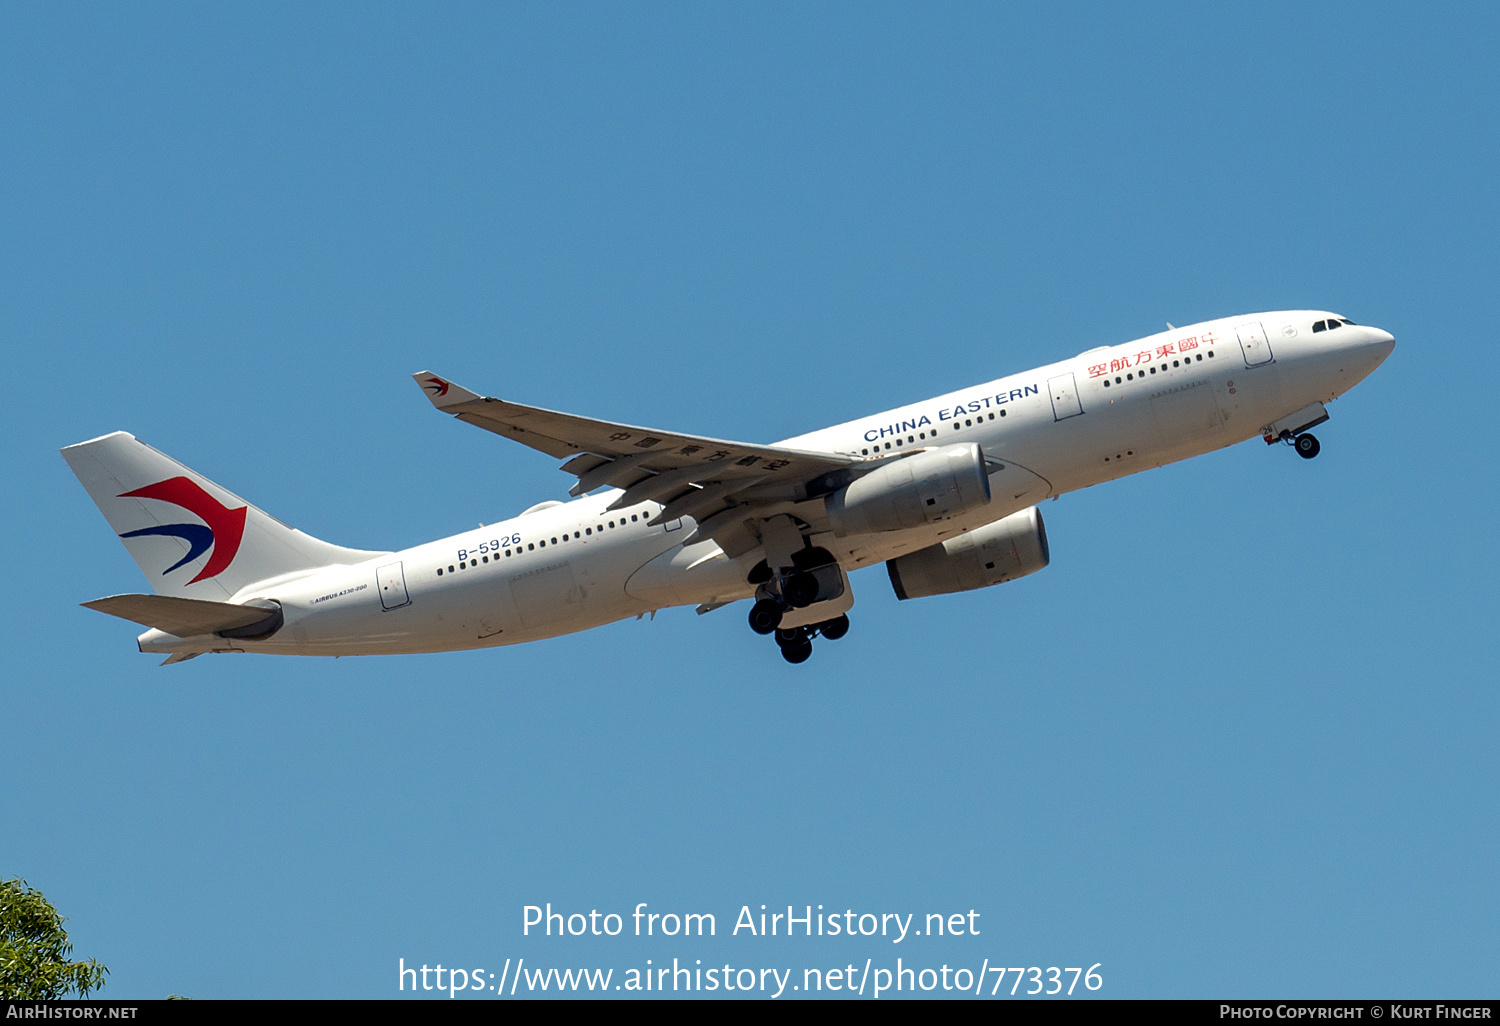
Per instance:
x=34, y=949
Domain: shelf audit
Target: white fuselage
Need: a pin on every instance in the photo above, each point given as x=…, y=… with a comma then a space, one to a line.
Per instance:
x=1103, y=414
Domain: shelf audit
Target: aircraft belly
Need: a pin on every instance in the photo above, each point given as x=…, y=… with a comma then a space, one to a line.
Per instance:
x=687, y=575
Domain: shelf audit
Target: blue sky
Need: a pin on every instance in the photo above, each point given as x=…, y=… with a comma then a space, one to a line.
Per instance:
x=1238, y=739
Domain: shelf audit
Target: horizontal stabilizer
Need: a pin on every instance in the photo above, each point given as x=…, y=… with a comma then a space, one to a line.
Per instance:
x=183, y=617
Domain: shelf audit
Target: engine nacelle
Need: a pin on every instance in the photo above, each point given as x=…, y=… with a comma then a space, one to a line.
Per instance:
x=1009, y=548
x=923, y=488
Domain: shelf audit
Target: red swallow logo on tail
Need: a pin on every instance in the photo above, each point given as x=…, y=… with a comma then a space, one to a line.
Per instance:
x=224, y=531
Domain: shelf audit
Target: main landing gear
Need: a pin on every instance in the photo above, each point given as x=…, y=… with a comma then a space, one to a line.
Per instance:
x=795, y=642
x=800, y=590
x=765, y=616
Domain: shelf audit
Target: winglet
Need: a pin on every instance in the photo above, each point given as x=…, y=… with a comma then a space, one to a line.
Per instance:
x=441, y=391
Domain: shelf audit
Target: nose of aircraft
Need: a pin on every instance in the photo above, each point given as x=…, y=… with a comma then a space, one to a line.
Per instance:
x=1381, y=344
x=1364, y=349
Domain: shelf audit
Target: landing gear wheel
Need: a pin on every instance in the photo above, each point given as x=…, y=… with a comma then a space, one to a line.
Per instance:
x=1307, y=446
x=765, y=615
x=790, y=636
x=800, y=590
x=834, y=629
x=797, y=652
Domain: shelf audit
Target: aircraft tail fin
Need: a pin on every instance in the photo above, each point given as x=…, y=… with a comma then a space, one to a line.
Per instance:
x=190, y=537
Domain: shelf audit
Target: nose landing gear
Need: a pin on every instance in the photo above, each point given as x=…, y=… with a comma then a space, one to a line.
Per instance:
x=1292, y=430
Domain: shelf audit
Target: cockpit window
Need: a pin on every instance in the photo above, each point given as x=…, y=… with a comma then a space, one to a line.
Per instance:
x=1334, y=323
x=1348, y=322
x=1321, y=326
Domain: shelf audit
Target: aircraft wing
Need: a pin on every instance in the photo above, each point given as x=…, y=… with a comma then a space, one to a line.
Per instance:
x=716, y=482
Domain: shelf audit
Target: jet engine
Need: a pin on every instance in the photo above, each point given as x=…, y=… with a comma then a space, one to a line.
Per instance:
x=923, y=488
x=1009, y=548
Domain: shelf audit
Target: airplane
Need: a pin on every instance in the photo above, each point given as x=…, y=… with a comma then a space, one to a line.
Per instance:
x=945, y=492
